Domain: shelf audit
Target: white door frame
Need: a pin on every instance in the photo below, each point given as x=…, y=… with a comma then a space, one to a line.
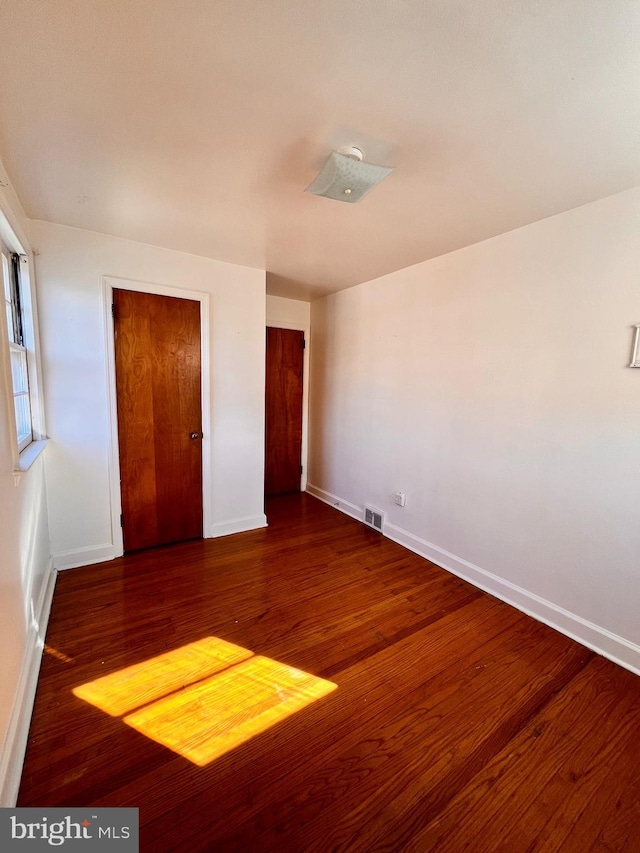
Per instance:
x=108, y=284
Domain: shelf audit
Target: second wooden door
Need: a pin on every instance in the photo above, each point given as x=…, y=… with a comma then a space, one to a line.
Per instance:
x=283, y=442
x=157, y=348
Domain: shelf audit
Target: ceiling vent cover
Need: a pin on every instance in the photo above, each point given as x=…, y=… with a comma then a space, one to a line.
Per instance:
x=374, y=518
x=346, y=177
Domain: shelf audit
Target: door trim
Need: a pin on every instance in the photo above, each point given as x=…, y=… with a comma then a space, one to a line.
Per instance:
x=115, y=500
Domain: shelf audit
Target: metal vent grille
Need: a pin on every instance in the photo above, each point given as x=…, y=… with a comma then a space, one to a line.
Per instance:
x=373, y=518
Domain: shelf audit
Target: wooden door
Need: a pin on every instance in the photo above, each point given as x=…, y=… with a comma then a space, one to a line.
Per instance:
x=157, y=348
x=283, y=433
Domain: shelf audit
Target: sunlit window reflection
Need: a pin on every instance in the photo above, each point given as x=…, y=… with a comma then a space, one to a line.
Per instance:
x=206, y=698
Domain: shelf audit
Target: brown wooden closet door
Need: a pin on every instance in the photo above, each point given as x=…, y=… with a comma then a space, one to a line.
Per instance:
x=283, y=442
x=157, y=348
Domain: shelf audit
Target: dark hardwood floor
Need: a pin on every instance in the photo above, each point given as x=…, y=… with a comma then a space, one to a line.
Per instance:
x=458, y=723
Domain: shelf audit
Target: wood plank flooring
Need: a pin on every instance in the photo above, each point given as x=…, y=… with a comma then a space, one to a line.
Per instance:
x=457, y=724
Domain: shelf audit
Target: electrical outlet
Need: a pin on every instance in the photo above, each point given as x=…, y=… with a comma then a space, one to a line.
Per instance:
x=400, y=498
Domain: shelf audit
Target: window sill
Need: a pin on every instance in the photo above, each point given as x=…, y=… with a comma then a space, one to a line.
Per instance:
x=27, y=457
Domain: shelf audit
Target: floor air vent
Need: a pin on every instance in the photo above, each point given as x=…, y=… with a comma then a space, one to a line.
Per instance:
x=373, y=518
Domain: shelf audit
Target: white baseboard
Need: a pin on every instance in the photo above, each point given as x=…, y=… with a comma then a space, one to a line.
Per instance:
x=237, y=525
x=101, y=553
x=15, y=743
x=84, y=556
x=600, y=640
x=348, y=508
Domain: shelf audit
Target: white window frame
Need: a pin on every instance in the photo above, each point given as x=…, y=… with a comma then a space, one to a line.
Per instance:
x=11, y=274
x=29, y=448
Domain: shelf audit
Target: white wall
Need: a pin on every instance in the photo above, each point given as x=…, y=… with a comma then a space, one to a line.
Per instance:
x=70, y=266
x=291, y=311
x=491, y=385
x=26, y=579
x=283, y=313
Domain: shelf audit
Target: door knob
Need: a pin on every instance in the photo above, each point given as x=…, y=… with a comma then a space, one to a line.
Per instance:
x=194, y=435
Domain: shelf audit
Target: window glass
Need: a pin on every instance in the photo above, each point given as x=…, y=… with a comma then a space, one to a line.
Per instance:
x=17, y=352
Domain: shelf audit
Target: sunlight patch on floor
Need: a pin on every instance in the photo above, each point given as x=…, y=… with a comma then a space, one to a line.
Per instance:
x=137, y=685
x=55, y=653
x=214, y=716
x=206, y=698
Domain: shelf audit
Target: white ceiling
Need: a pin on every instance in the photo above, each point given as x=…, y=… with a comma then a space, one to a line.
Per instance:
x=197, y=124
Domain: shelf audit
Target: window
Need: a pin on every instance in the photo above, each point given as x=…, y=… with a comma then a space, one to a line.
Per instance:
x=11, y=275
